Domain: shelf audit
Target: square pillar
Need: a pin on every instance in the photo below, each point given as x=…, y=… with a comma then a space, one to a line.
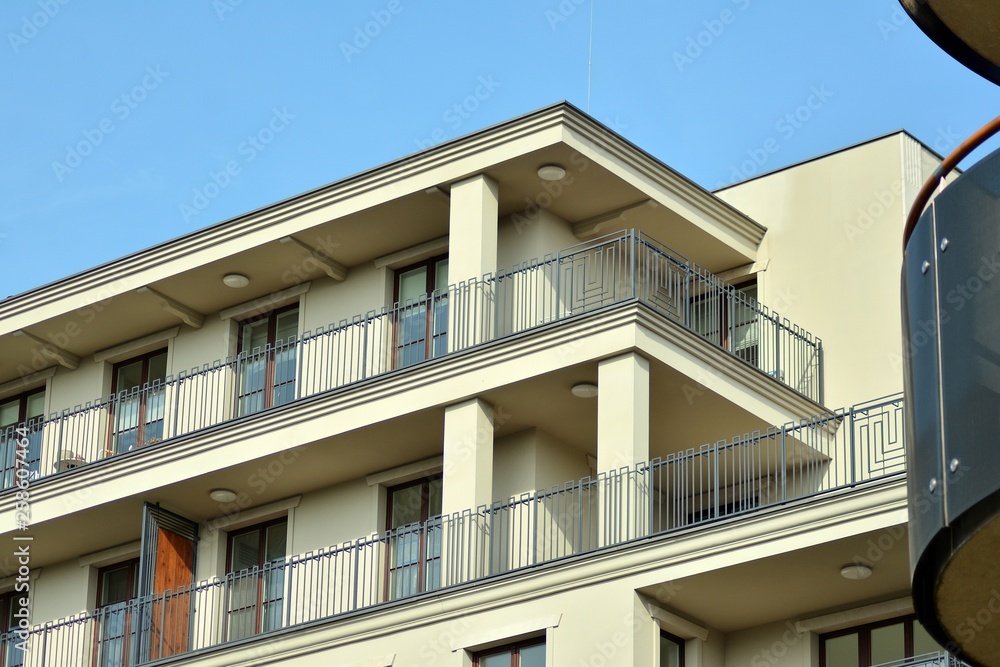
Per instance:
x=622, y=442
x=467, y=484
x=472, y=253
x=622, y=412
x=472, y=244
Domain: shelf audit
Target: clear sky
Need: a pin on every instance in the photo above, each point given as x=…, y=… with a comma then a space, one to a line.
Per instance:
x=121, y=118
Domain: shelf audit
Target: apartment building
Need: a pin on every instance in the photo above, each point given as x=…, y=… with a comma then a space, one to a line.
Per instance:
x=530, y=397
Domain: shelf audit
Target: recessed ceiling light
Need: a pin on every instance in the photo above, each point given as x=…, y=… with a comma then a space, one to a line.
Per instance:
x=222, y=495
x=235, y=280
x=584, y=390
x=856, y=572
x=551, y=172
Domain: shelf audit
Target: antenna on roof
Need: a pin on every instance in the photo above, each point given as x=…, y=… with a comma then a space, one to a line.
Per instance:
x=590, y=54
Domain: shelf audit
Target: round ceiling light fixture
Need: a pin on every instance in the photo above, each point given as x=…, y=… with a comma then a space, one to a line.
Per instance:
x=856, y=571
x=584, y=390
x=551, y=172
x=222, y=495
x=236, y=280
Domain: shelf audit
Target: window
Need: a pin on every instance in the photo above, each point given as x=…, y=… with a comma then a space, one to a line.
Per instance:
x=255, y=577
x=875, y=644
x=266, y=360
x=27, y=411
x=421, y=298
x=529, y=653
x=10, y=655
x=117, y=586
x=414, y=552
x=729, y=319
x=671, y=650
x=138, y=402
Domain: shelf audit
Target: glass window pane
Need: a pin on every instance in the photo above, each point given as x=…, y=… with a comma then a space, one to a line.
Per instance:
x=434, y=497
x=922, y=641
x=36, y=405
x=244, y=551
x=497, y=660
x=115, y=585
x=254, y=337
x=158, y=367
x=9, y=413
x=670, y=652
x=276, y=537
x=405, y=506
x=287, y=326
x=129, y=376
x=412, y=284
x=441, y=275
x=533, y=656
x=842, y=651
x=888, y=644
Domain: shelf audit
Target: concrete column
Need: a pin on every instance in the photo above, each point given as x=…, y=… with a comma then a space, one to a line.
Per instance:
x=467, y=484
x=468, y=456
x=472, y=244
x=622, y=442
x=622, y=412
x=472, y=253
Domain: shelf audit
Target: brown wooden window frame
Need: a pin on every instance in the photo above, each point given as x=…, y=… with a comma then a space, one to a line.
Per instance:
x=9, y=603
x=677, y=640
x=133, y=583
x=750, y=354
x=425, y=514
x=430, y=286
x=514, y=648
x=9, y=464
x=262, y=550
x=864, y=638
x=269, y=369
x=140, y=436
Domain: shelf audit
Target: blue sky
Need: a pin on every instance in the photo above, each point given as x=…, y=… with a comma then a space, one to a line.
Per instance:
x=130, y=123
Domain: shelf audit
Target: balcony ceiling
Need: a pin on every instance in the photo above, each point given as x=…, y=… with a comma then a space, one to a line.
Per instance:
x=794, y=585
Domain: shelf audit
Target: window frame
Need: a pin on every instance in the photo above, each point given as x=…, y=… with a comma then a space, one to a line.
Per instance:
x=8, y=605
x=127, y=634
x=864, y=638
x=140, y=429
x=10, y=456
x=681, y=643
x=430, y=286
x=270, y=347
x=722, y=337
x=425, y=515
x=261, y=570
x=514, y=648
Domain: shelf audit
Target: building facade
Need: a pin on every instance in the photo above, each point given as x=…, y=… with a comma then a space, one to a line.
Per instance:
x=529, y=397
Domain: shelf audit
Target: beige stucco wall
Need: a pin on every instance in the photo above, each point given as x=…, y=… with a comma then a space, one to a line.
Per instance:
x=832, y=255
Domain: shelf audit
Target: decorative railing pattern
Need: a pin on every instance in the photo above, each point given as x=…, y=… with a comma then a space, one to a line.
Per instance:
x=686, y=489
x=613, y=270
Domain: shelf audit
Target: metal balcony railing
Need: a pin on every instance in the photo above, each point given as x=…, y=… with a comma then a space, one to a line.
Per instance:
x=625, y=267
x=683, y=490
x=941, y=659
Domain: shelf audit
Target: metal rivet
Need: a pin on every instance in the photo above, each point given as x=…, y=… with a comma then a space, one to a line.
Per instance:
x=923, y=267
x=953, y=466
x=944, y=244
x=933, y=485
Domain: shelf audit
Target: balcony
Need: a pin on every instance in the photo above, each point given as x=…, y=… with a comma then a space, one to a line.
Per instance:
x=622, y=268
x=742, y=476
